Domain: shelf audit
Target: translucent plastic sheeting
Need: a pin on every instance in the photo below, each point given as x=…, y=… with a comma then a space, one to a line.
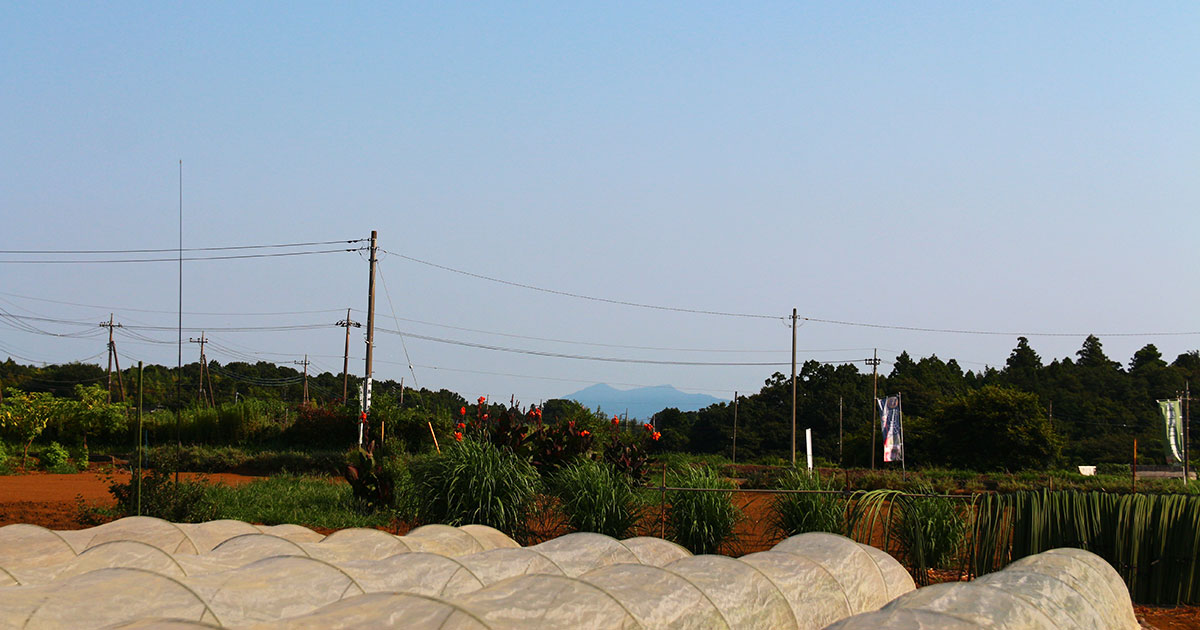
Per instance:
x=153, y=531
x=658, y=598
x=500, y=564
x=247, y=548
x=1091, y=576
x=24, y=546
x=581, y=552
x=207, y=535
x=359, y=544
x=444, y=540
x=418, y=572
x=984, y=606
x=850, y=565
x=895, y=577
x=295, y=533
x=105, y=597
x=489, y=537
x=655, y=551
x=904, y=619
x=126, y=554
x=274, y=588
x=383, y=610
x=815, y=597
x=162, y=624
x=745, y=596
x=1067, y=589
x=546, y=602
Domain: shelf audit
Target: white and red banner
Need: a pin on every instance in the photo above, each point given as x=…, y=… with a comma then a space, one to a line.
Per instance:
x=893, y=432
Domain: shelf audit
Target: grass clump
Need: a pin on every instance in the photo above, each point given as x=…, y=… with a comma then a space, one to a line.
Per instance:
x=476, y=482
x=596, y=498
x=702, y=521
x=793, y=514
x=286, y=498
x=930, y=530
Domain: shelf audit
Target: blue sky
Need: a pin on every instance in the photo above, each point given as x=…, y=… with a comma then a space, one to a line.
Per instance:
x=1000, y=167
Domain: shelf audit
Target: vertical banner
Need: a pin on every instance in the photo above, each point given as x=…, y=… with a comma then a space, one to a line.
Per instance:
x=1172, y=428
x=889, y=421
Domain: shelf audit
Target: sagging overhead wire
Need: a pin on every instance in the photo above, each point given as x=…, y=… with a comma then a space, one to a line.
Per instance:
x=172, y=260
x=170, y=312
x=657, y=307
x=175, y=249
x=836, y=322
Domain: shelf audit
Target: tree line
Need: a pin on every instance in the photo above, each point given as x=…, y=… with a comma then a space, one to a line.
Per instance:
x=1027, y=414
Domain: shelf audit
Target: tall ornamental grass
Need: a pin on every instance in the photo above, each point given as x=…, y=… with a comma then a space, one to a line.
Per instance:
x=1153, y=541
x=476, y=482
x=797, y=513
x=596, y=498
x=702, y=521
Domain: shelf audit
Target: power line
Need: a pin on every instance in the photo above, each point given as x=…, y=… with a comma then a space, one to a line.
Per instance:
x=957, y=331
x=562, y=355
x=171, y=312
x=531, y=287
x=194, y=258
x=173, y=249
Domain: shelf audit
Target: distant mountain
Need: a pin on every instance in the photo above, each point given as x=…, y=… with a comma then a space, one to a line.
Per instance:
x=641, y=402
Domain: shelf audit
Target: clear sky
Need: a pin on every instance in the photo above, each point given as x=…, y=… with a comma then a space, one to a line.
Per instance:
x=999, y=167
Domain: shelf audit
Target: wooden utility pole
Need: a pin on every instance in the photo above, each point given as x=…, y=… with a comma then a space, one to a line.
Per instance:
x=1187, y=435
x=139, y=442
x=366, y=399
x=874, y=361
x=208, y=399
x=347, y=324
x=793, y=387
x=735, y=427
x=112, y=357
x=304, y=396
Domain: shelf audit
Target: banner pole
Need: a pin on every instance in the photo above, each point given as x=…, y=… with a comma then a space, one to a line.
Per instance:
x=903, y=446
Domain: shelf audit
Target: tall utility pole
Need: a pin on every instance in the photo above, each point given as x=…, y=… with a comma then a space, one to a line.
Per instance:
x=874, y=361
x=208, y=400
x=735, y=427
x=112, y=356
x=1187, y=435
x=347, y=324
x=793, y=387
x=839, y=430
x=304, y=397
x=366, y=399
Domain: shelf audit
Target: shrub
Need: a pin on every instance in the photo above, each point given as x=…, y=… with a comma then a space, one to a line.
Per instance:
x=476, y=482
x=380, y=482
x=318, y=426
x=793, y=514
x=702, y=521
x=183, y=502
x=54, y=458
x=597, y=498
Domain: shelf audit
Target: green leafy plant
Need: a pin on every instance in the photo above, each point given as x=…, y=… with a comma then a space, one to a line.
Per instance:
x=809, y=511
x=25, y=415
x=54, y=458
x=161, y=496
x=597, y=498
x=476, y=482
x=702, y=521
x=380, y=482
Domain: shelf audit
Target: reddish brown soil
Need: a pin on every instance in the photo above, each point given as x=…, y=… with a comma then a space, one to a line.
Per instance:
x=52, y=500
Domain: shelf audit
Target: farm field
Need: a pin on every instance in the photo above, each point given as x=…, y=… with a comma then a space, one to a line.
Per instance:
x=53, y=500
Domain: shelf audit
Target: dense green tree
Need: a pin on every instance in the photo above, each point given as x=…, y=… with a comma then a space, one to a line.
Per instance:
x=995, y=428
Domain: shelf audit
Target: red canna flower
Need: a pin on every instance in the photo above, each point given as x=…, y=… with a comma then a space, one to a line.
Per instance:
x=482, y=399
x=654, y=436
x=457, y=436
x=485, y=416
x=616, y=421
x=584, y=433
x=539, y=412
x=650, y=428
x=462, y=411
x=571, y=424
x=461, y=426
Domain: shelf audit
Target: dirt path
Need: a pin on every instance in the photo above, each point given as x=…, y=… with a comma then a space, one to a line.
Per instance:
x=52, y=500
